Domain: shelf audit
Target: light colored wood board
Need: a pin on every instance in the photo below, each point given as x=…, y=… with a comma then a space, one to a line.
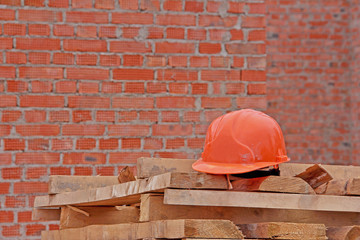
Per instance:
x=353, y=187
x=343, y=233
x=171, y=229
x=336, y=171
x=126, y=175
x=284, y=230
x=98, y=215
x=262, y=200
x=315, y=176
x=60, y=183
x=148, y=167
x=39, y=214
x=152, y=208
x=129, y=192
x=334, y=187
x=273, y=184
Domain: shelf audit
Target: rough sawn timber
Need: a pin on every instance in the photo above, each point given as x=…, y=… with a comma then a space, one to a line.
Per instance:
x=39, y=214
x=315, y=176
x=262, y=200
x=343, y=233
x=171, y=229
x=129, y=192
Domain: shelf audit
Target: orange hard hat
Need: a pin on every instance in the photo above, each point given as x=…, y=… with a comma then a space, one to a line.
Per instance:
x=242, y=141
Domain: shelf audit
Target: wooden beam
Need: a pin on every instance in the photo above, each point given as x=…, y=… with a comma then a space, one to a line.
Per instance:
x=315, y=176
x=284, y=231
x=273, y=184
x=343, y=233
x=170, y=229
x=60, y=183
x=148, y=167
x=152, y=208
x=97, y=215
x=39, y=214
x=129, y=193
x=262, y=200
x=353, y=187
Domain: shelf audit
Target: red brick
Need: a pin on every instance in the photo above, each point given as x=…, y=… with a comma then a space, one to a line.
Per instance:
x=218, y=102
x=34, y=229
x=213, y=7
x=172, y=5
x=179, y=88
x=177, y=74
x=63, y=58
x=6, y=43
x=81, y=4
x=41, y=86
x=126, y=157
x=35, y=116
x=38, y=144
x=11, y=173
x=253, y=76
x=220, y=34
x=133, y=18
x=61, y=144
x=135, y=47
x=220, y=62
x=150, y=5
x=38, y=130
x=11, y=231
x=175, y=33
x=257, y=8
x=84, y=158
x=105, y=171
x=155, y=61
x=172, y=130
x=110, y=60
x=65, y=87
x=170, y=116
x=209, y=48
x=199, y=88
x=175, y=102
x=245, y=48
x=134, y=87
x=105, y=116
x=196, y=34
x=175, y=143
x=111, y=87
x=195, y=143
x=82, y=116
x=88, y=102
x=85, y=45
x=133, y=60
x=14, y=144
x=86, y=31
x=30, y=187
x=253, y=102
x=127, y=116
x=41, y=72
x=192, y=116
x=257, y=35
x=39, y=58
x=13, y=29
x=153, y=143
x=181, y=20
x=236, y=7
x=17, y=86
x=15, y=201
x=36, y=173
x=130, y=143
x=133, y=74
x=10, y=116
x=59, y=116
x=86, y=59
x=256, y=89
x=87, y=17
x=39, y=29
x=220, y=75
x=5, y=130
x=60, y=171
x=105, y=4
x=4, y=189
x=256, y=62
x=39, y=15
x=199, y=61
x=15, y=57
x=88, y=87
x=130, y=32
x=85, y=143
x=41, y=101
x=107, y=32
x=170, y=47
x=235, y=88
x=178, y=61
x=237, y=34
x=129, y=5
x=156, y=87
x=63, y=30
x=87, y=73
x=7, y=72
x=129, y=130
x=6, y=217
x=83, y=130
x=35, y=3
x=239, y=62
x=7, y=14
x=83, y=171
x=155, y=33
x=58, y=3
x=109, y=144
x=253, y=22
x=5, y=158
x=7, y=101
x=193, y=6
x=217, y=21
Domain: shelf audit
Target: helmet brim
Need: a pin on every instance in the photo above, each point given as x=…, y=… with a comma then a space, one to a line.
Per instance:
x=228, y=168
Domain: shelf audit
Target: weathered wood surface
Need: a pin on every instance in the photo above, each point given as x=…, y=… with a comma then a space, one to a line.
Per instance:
x=60, y=183
x=45, y=214
x=274, y=230
x=148, y=167
x=152, y=208
x=343, y=233
x=126, y=175
x=353, y=187
x=98, y=215
x=262, y=200
x=171, y=229
x=341, y=187
x=315, y=176
x=273, y=184
x=129, y=193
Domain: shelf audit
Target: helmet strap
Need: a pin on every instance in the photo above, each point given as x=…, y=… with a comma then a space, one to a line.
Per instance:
x=228, y=182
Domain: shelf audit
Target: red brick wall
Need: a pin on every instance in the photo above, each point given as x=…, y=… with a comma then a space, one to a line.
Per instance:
x=87, y=86
x=309, y=78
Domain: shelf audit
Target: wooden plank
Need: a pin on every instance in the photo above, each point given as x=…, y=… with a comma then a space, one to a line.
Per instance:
x=315, y=176
x=60, y=183
x=98, y=215
x=343, y=233
x=273, y=184
x=129, y=193
x=284, y=231
x=262, y=200
x=171, y=229
x=353, y=187
x=39, y=214
x=152, y=208
x=148, y=167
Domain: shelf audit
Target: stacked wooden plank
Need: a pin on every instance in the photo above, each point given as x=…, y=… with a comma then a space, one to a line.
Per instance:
x=169, y=200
